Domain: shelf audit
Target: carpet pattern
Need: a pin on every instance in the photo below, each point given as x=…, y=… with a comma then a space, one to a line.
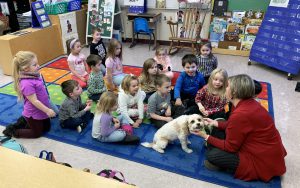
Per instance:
x=174, y=160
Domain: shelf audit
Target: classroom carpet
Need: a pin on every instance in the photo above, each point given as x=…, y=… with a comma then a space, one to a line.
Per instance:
x=174, y=159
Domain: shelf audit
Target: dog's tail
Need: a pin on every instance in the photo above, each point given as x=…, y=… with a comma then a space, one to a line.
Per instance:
x=147, y=144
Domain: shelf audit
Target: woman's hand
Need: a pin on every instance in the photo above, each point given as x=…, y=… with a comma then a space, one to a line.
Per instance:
x=208, y=121
x=201, y=134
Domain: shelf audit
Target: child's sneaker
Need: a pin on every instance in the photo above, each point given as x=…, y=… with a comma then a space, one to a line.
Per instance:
x=79, y=129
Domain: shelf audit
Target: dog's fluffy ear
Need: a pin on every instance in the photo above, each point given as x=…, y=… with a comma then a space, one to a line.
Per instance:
x=184, y=123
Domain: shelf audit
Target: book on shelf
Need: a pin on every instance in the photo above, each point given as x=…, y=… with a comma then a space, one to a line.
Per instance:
x=251, y=29
x=160, y=3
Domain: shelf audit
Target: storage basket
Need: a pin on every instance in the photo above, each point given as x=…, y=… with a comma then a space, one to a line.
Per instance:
x=74, y=5
x=56, y=8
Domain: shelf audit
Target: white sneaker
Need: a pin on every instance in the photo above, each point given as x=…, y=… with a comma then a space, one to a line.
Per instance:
x=79, y=129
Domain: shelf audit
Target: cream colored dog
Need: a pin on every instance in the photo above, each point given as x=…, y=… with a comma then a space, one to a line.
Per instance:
x=178, y=128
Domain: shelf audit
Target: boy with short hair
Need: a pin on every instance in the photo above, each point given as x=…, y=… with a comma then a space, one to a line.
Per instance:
x=188, y=82
x=95, y=83
x=73, y=114
x=97, y=47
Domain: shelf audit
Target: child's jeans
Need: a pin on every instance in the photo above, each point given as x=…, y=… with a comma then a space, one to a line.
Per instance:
x=73, y=123
x=116, y=136
x=117, y=79
x=103, y=69
x=81, y=83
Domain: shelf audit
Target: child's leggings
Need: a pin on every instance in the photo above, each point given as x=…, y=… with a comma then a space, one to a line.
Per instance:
x=35, y=130
x=81, y=83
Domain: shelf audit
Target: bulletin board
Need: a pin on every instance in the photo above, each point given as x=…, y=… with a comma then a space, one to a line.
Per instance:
x=101, y=15
x=248, y=4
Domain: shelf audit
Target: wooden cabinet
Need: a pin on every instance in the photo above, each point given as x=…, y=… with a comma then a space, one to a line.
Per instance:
x=45, y=43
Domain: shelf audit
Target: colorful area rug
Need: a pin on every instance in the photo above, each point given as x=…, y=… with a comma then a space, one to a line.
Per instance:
x=174, y=160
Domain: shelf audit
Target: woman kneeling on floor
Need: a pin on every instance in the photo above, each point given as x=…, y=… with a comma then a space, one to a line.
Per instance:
x=248, y=144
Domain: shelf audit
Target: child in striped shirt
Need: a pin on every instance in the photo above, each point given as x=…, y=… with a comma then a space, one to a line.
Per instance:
x=207, y=62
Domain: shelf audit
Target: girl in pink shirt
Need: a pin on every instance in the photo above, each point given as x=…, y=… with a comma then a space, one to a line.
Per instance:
x=114, y=67
x=164, y=62
x=77, y=63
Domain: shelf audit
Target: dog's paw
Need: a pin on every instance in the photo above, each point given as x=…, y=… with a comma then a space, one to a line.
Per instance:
x=188, y=150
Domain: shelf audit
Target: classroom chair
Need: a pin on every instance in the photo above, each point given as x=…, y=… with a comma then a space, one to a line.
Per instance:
x=141, y=26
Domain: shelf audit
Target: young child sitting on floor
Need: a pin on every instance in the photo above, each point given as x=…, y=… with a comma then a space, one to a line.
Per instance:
x=148, y=77
x=73, y=114
x=77, y=63
x=188, y=82
x=159, y=103
x=130, y=100
x=164, y=62
x=96, y=84
x=211, y=98
x=106, y=128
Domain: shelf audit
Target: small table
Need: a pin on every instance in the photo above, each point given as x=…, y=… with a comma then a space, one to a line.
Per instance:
x=151, y=18
x=21, y=170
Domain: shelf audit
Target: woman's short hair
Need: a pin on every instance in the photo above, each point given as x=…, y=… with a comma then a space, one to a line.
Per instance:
x=241, y=86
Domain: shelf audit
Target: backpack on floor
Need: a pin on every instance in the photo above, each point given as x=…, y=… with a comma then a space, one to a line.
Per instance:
x=12, y=144
x=112, y=174
x=50, y=157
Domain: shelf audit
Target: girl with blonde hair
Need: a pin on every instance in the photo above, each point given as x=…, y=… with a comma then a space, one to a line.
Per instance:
x=107, y=128
x=30, y=88
x=130, y=100
x=211, y=98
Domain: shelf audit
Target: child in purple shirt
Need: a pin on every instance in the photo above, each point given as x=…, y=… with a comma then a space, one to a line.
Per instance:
x=106, y=128
x=30, y=88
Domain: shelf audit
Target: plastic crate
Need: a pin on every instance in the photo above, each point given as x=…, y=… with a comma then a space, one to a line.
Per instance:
x=56, y=8
x=74, y=5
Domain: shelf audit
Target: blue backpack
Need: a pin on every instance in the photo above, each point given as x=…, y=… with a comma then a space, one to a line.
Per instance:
x=12, y=144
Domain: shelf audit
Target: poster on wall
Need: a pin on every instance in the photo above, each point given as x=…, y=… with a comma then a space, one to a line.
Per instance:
x=279, y=3
x=68, y=27
x=101, y=15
